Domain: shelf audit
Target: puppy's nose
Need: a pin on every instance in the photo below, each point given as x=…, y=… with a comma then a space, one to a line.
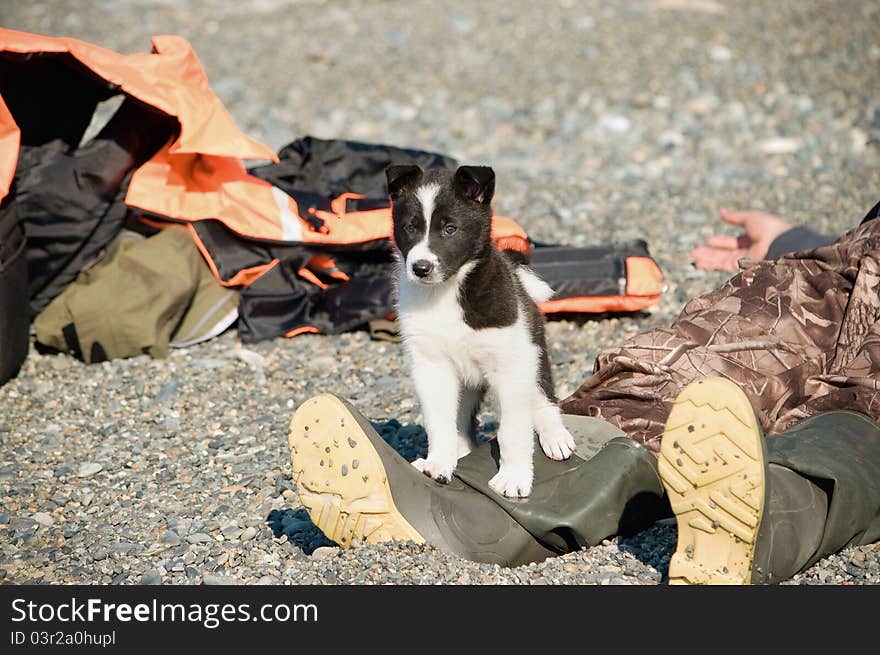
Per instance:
x=422, y=268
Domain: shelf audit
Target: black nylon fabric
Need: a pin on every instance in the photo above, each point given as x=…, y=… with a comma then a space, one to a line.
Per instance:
x=327, y=168
x=50, y=96
x=280, y=301
x=70, y=198
x=586, y=271
x=67, y=219
x=14, y=319
x=232, y=253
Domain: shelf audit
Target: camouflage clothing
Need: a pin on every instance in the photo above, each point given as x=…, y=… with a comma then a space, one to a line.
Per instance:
x=799, y=334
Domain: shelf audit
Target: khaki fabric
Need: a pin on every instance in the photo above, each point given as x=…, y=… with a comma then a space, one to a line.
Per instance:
x=385, y=330
x=799, y=334
x=136, y=300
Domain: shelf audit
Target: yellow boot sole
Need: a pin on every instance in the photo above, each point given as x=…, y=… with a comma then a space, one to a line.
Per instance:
x=340, y=477
x=713, y=466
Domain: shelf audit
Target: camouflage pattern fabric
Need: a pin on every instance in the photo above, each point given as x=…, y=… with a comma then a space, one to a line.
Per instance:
x=799, y=334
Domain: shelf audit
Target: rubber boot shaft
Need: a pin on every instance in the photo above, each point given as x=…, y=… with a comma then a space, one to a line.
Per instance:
x=839, y=452
x=578, y=502
x=453, y=517
x=792, y=526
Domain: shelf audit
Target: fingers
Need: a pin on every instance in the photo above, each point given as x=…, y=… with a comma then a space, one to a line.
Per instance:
x=754, y=219
x=714, y=259
x=729, y=242
x=733, y=217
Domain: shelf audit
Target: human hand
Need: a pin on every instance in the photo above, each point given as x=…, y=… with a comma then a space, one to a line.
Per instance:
x=723, y=251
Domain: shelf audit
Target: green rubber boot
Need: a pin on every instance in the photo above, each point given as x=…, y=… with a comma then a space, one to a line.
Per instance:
x=357, y=488
x=752, y=510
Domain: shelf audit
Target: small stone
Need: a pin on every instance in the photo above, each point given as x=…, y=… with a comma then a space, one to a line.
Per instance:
x=670, y=139
x=231, y=531
x=167, y=392
x=859, y=139
x=170, y=537
x=150, y=578
x=199, y=538
x=43, y=519
x=720, y=53
x=701, y=105
x=254, y=360
x=614, y=123
x=324, y=552
x=171, y=426
x=88, y=469
x=779, y=146
x=211, y=579
x=853, y=570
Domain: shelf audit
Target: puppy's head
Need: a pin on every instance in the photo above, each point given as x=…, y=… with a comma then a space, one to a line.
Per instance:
x=442, y=220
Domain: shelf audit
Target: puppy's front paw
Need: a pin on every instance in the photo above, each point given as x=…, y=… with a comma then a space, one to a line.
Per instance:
x=512, y=483
x=558, y=444
x=441, y=473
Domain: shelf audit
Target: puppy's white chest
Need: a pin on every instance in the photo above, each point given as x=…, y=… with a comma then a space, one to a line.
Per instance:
x=434, y=329
x=434, y=322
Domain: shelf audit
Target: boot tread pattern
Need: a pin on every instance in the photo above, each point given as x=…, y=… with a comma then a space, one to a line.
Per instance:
x=340, y=477
x=712, y=465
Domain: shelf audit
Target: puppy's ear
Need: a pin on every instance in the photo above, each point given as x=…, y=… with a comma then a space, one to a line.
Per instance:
x=402, y=178
x=476, y=183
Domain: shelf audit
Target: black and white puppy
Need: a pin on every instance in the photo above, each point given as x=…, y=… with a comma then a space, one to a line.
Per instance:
x=469, y=321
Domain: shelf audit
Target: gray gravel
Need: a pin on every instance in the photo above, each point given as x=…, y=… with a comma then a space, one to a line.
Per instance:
x=604, y=121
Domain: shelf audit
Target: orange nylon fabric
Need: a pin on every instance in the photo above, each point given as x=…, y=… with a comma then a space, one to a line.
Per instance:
x=170, y=78
x=200, y=187
x=597, y=304
x=9, y=141
x=305, y=329
x=197, y=187
x=207, y=153
x=643, y=277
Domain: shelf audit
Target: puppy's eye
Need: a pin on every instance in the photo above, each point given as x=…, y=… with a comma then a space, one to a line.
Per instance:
x=449, y=230
x=409, y=228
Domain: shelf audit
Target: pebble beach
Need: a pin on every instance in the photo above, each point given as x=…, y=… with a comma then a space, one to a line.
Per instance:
x=605, y=121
